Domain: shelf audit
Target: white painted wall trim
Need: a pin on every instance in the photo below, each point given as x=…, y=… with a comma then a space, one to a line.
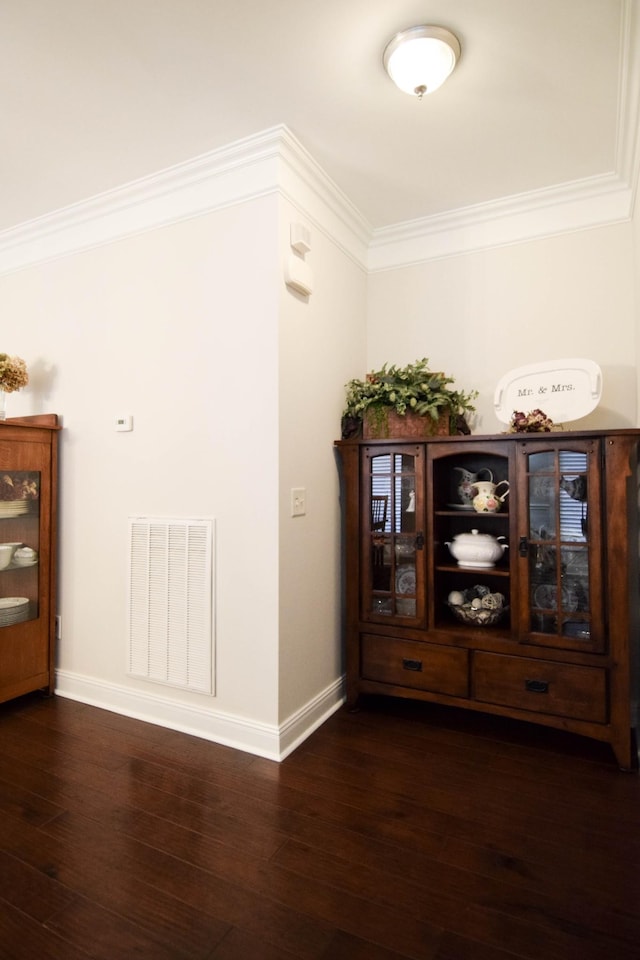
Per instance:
x=240, y=172
x=542, y=213
x=304, y=721
x=275, y=161
x=627, y=160
x=325, y=206
x=565, y=208
x=263, y=740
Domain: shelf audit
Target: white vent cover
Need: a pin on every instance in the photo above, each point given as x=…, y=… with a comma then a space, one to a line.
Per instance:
x=170, y=602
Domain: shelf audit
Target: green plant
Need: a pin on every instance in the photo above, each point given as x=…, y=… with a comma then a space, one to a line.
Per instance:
x=414, y=388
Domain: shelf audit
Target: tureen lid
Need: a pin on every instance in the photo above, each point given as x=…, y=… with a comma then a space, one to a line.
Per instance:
x=476, y=536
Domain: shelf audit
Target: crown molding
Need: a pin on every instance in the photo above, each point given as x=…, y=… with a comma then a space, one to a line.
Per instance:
x=304, y=183
x=627, y=161
x=578, y=205
x=543, y=213
x=270, y=162
x=275, y=162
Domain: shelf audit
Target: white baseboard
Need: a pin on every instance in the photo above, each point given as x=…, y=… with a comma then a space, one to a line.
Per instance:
x=263, y=740
x=314, y=713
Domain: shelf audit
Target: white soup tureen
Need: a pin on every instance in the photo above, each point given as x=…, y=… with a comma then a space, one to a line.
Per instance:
x=476, y=549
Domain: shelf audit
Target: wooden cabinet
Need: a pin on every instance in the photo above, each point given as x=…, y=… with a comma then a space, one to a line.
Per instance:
x=28, y=498
x=557, y=642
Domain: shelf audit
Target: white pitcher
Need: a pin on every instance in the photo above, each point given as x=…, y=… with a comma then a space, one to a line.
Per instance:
x=466, y=483
x=486, y=498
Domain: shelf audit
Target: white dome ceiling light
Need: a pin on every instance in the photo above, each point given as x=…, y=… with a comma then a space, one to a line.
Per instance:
x=420, y=59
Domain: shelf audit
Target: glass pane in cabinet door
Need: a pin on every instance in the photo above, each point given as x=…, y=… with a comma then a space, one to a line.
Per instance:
x=542, y=507
x=19, y=546
x=393, y=535
x=542, y=462
x=558, y=544
x=405, y=493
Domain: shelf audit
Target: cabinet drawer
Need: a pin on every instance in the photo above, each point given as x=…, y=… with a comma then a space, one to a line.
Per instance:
x=561, y=689
x=422, y=666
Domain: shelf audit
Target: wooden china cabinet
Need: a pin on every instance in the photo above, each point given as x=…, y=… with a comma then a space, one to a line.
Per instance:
x=28, y=497
x=563, y=650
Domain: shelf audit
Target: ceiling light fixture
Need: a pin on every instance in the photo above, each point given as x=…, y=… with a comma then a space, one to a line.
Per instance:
x=420, y=59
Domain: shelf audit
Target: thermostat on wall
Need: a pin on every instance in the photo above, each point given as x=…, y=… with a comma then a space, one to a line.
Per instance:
x=124, y=423
x=565, y=390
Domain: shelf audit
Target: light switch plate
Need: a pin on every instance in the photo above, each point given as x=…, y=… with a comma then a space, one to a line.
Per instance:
x=298, y=501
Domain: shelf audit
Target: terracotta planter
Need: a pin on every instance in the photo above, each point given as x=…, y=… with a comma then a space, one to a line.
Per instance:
x=383, y=423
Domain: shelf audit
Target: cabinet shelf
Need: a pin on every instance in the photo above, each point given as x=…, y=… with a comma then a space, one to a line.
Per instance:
x=475, y=571
x=472, y=517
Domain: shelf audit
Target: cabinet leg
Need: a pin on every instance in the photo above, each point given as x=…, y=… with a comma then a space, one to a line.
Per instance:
x=353, y=703
x=626, y=752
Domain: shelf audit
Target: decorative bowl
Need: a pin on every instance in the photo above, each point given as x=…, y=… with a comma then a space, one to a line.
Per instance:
x=25, y=556
x=477, y=606
x=477, y=617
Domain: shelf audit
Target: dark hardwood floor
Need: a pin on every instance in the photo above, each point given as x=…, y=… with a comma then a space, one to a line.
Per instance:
x=400, y=831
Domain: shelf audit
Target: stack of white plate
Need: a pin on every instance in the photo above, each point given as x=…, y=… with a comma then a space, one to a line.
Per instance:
x=13, y=508
x=13, y=610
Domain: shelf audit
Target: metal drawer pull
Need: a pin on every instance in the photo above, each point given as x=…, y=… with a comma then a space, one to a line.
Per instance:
x=537, y=686
x=415, y=665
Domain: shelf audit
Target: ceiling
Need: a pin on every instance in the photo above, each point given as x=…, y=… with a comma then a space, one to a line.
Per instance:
x=98, y=93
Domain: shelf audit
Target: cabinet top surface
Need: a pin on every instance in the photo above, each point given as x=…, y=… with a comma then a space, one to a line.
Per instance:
x=554, y=435
x=46, y=421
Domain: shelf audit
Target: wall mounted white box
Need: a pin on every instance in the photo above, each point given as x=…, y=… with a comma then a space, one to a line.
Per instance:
x=300, y=238
x=298, y=275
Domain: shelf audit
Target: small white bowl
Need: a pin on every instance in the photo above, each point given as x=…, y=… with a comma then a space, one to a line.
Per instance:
x=7, y=551
x=25, y=556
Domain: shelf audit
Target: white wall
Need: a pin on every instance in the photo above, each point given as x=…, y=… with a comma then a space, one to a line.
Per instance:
x=478, y=315
x=179, y=327
x=236, y=386
x=322, y=342
x=636, y=287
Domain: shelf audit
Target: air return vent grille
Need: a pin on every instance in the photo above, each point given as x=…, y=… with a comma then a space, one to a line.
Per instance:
x=170, y=602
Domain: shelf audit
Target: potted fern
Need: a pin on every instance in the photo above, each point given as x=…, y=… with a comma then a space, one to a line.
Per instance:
x=405, y=401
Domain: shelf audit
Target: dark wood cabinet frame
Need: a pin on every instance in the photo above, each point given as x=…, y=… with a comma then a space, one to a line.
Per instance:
x=589, y=684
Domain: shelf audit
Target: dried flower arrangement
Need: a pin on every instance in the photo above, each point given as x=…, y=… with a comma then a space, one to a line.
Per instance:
x=13, y=373
x=533, y=422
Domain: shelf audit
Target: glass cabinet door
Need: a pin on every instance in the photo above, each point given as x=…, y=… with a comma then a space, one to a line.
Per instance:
x=392, y=552
x=19, y=546
x=560, y=546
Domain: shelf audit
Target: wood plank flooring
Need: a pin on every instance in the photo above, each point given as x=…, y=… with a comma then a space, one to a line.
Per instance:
x=401, y=831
